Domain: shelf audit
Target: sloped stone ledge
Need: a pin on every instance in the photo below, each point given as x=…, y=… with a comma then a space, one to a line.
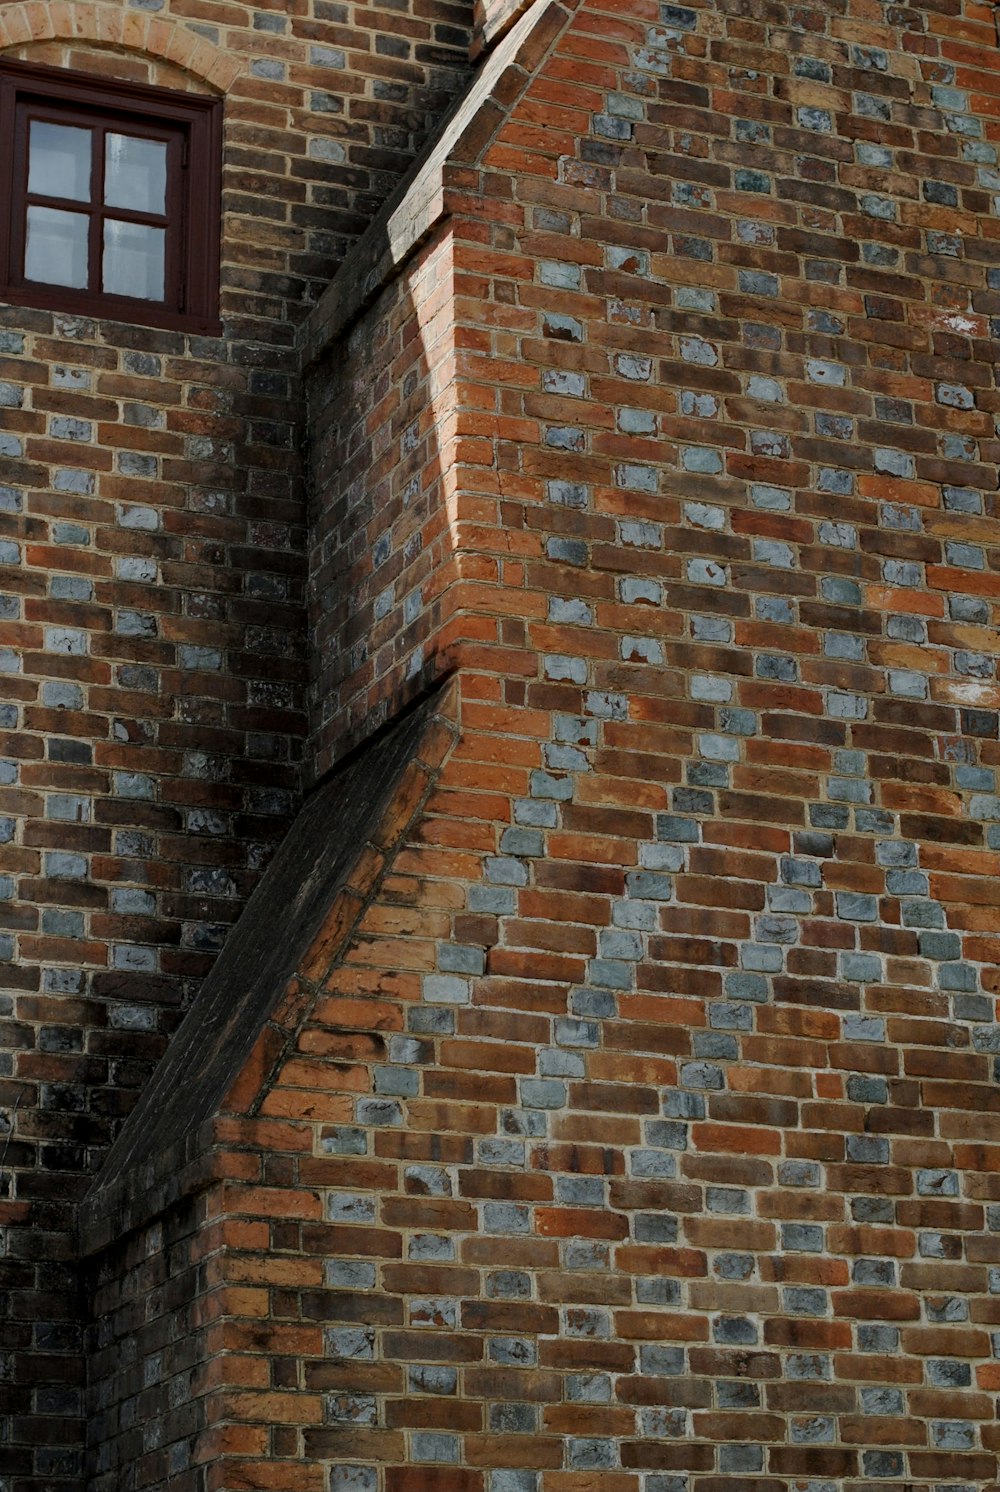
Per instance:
x=420, y=202
x=295, y=925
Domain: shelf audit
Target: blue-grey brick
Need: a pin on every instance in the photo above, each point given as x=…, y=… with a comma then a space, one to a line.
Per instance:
x=516, y=1352
x=638, y=916
x=958, y=977
x=426, y=1378
x=840, y=591
x=381, y=1112
x=611, y=973
x=864, y=1028
x=661, y=1362
x=939, y=945
x=728, y=1200
x=662, y=1423
x=649, y=886
x=817, y=1429
x=953, y=1435
x=351, y=1478
x=882, y=1463
x=507, y=1418
x=854, y=906
x=524, y=842
x=588, y=1388
x=876, y=1272
x=733, y=1394
x=350, y=1207
x=553, y=1063
x=576, y=1033
x=734, y=1331
x=513, y=1481
x=460, y=958
x=538, y=815
x=725, y=1017
x=619, y=943
x=398, y=1081
x=652, y=1164
x=543, y=1093
x=448, y=989
x=716, y=1046
x=667, y=1134
x=922, y=914
x=654, y=1290
x=760, y=957
x=434, y=1446
x=586, y=1453
x=427, y=1020
x=355, y=1342
x=746, y=986
x=868, y=1150
x=543, y=785
x=680, y=1105
x=802, y=1237
x=937, y=1182
x=655, y=1227
x=881, y=1401
x=599, y=1003
x=702, y=1075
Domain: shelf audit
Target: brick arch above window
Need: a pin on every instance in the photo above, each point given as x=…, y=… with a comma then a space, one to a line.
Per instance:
x=110, y=63
x=83, y=21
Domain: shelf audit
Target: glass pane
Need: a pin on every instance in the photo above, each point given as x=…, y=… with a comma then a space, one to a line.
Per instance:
x=133, y=260
x=59, y=161
x=135, y=173
x=56, y=252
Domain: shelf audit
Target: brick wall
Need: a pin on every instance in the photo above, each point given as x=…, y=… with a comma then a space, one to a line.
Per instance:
x=644, y=1130
x=150, y=1359
x=153, y=653
x=380, y=561
x=662, y=1142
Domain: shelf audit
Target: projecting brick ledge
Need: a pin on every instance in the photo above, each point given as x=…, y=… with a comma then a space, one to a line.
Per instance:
x=420, y=203
x=286, y=938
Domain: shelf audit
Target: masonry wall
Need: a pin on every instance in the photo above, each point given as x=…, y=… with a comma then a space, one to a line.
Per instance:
x=670, y=1038
x=153, y=653
x=150, y=1359
x=380, y=560
x=643, y=1131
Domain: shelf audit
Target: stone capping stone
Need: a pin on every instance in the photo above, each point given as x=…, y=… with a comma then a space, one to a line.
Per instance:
x=493, y=21
x=169, y=1147
x=419, y=203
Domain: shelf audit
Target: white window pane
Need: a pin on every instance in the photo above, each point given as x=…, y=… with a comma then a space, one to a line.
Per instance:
x=56, y=252
x=135, y=173
x=133, y=260
x=59, y=161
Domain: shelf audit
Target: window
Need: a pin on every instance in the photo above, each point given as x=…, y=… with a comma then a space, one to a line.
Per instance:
x=109, y=199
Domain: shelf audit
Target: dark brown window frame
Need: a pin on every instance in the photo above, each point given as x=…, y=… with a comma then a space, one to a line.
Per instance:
x=192, y=124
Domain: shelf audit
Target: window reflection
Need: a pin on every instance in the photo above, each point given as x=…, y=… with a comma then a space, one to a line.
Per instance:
x=134, y=257
x=135, y=173
x=59, y=161
x=56, y=250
